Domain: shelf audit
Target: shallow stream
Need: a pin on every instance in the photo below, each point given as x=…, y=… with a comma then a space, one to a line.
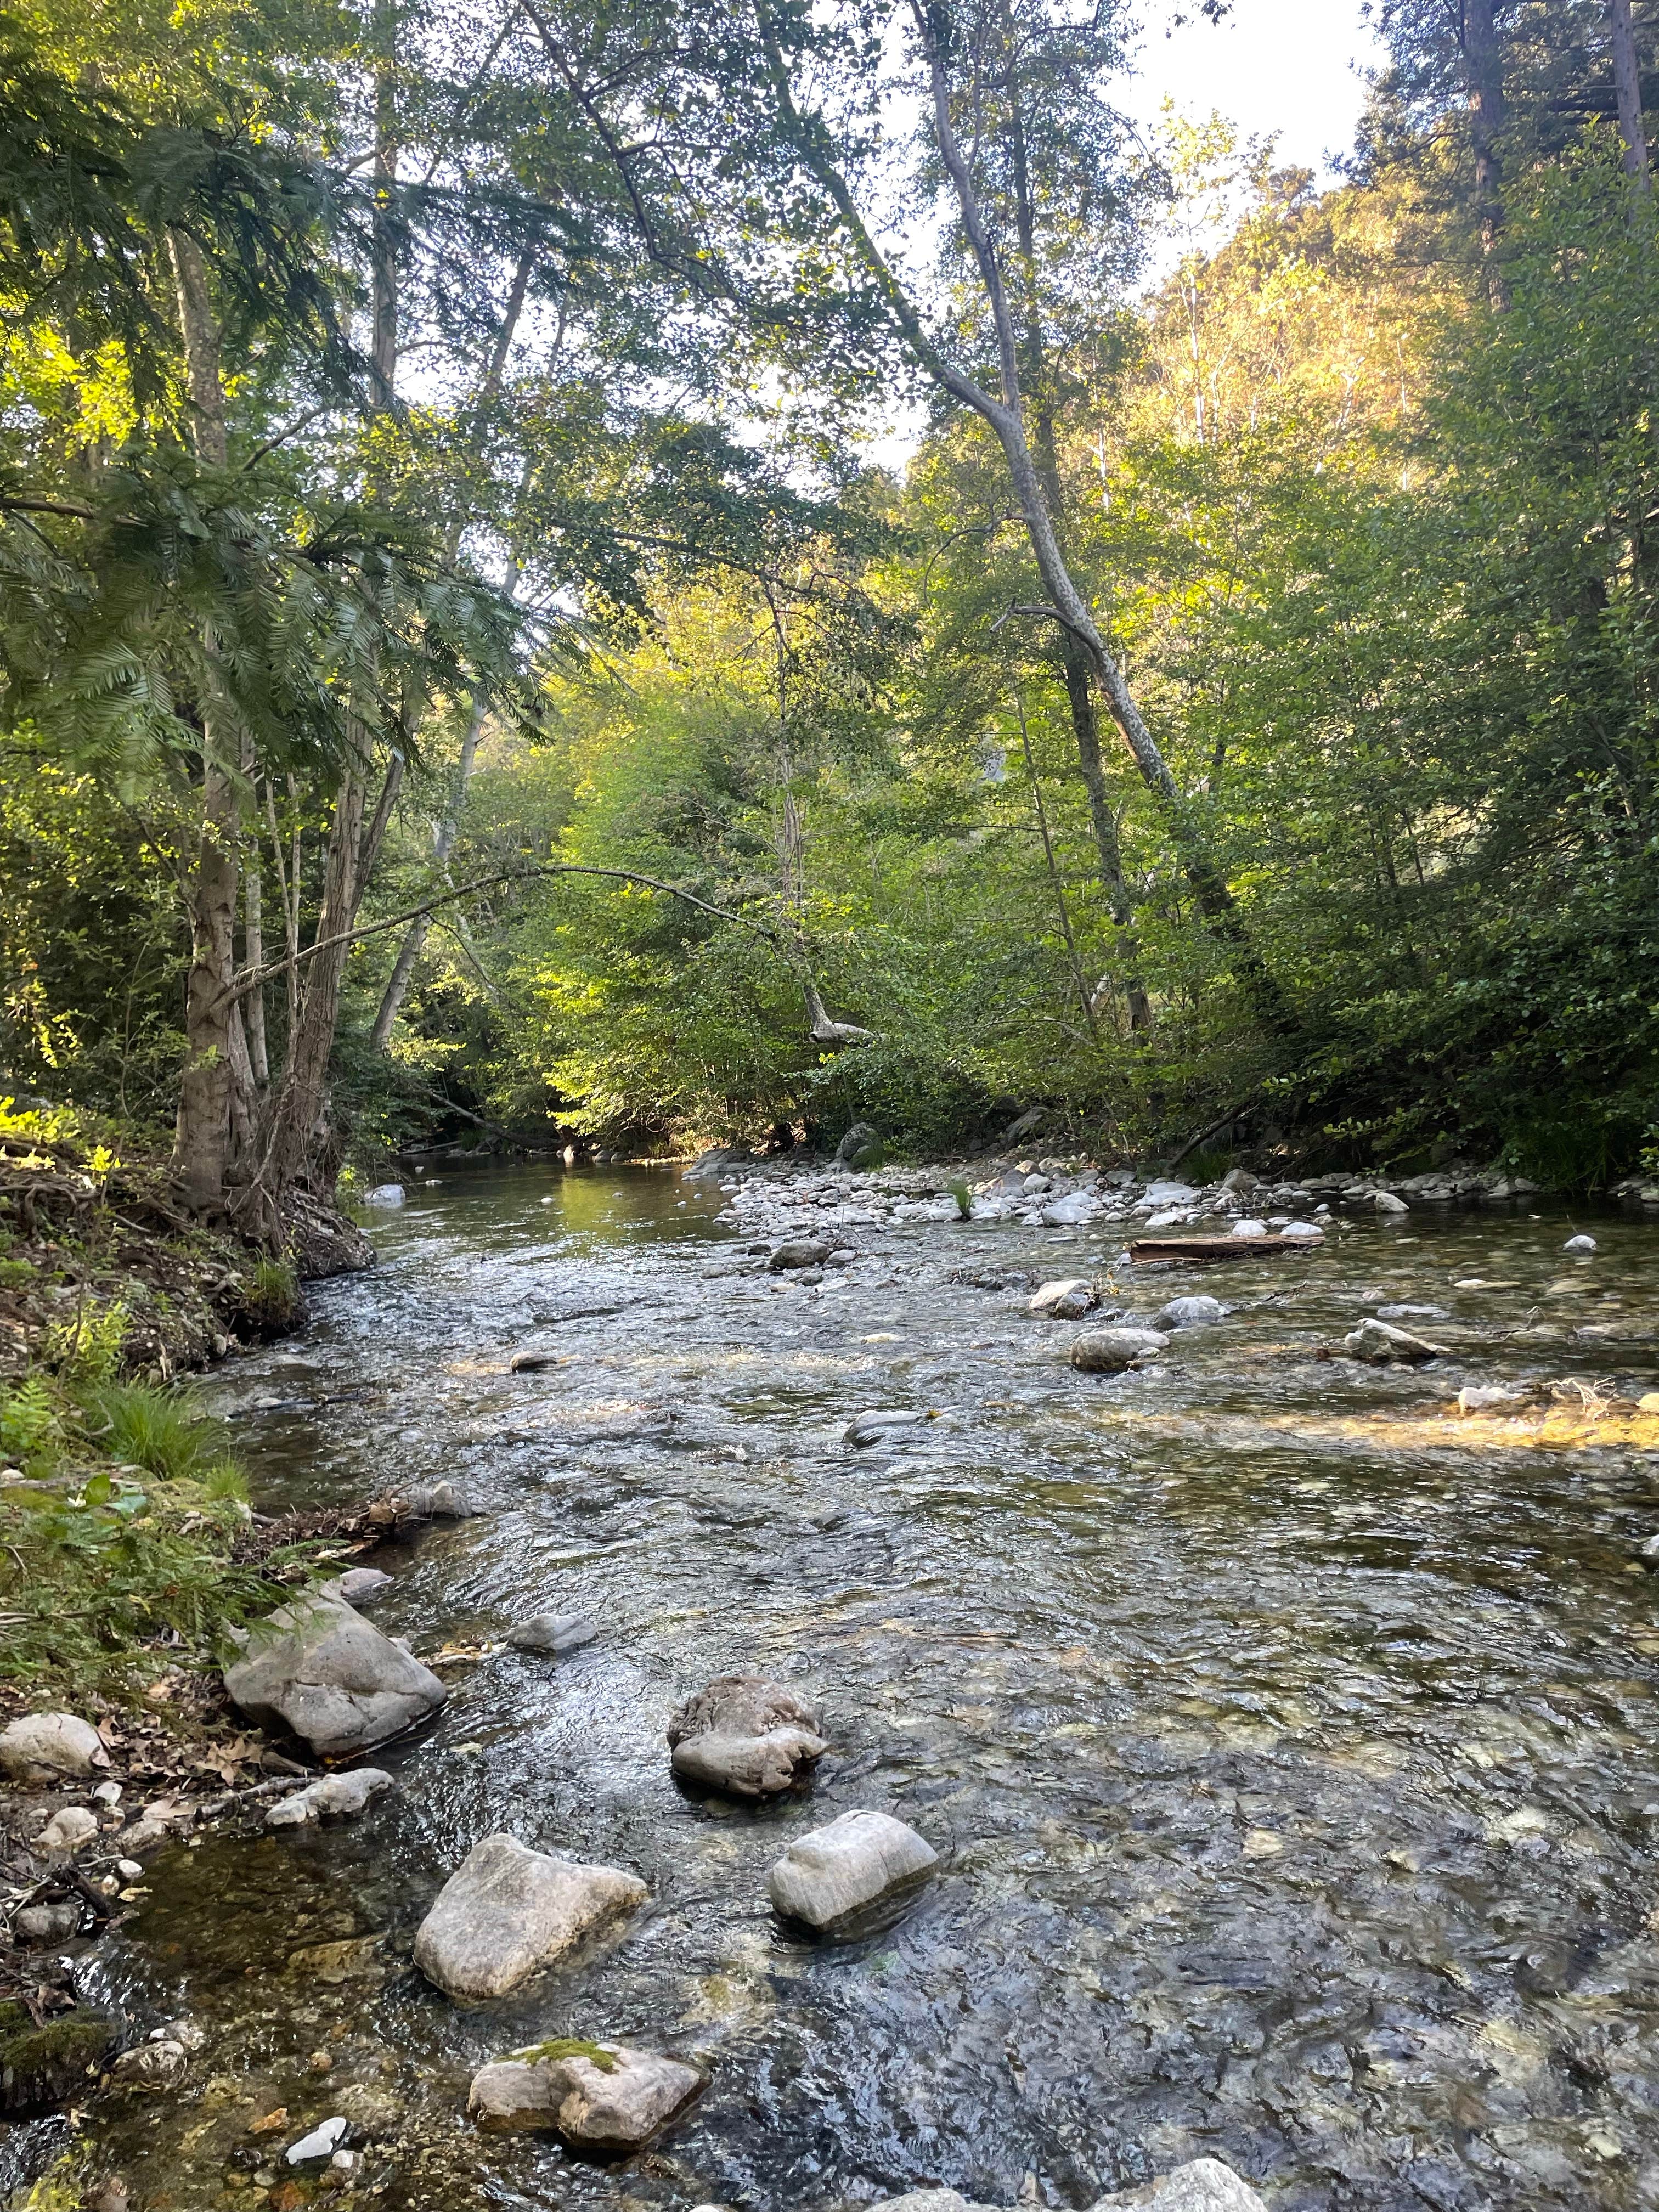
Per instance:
x=1292, y=1746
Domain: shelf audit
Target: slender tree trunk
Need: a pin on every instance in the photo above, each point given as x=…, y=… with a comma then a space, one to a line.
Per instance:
x=1085, y=998
x=1483, y=62
x=204, y=1141
x=353, y=847
x=443, y=839
x=1627, y=80
x=254, y=948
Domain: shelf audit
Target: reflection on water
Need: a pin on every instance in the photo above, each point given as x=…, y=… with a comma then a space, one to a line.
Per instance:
x=1292, y=1762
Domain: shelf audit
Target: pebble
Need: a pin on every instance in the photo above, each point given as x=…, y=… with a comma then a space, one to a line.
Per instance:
x=322, y=2142
x=68, y=1831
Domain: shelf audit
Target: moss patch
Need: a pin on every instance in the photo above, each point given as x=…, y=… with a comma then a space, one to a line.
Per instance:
x=566, y=2046
x=41, y=2067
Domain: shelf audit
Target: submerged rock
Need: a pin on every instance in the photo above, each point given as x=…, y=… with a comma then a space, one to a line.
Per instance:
x=1204, y=2185
x=156, y=2065
x=879, y=1428
x=49, y=1746
x=1197, y=1311
x=554, y=1632
x=1378, y=1340
x=1065, y=1300
x=1110, y=1351
x=362, y=1585
x=603, y=2097
x=841, y=1869
x=1484, y=1397
x=1579, y=1244
x=335, y=1798
x=317, y=1667
x=745, y=1736
x=1386, y=1202
x=506, y=1911
x=384, y=1193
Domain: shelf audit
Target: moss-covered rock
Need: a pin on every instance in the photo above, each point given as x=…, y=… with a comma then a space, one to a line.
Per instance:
x=43, y=2066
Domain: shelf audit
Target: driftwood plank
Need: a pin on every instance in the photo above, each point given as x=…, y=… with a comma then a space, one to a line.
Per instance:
x=1143, y=1249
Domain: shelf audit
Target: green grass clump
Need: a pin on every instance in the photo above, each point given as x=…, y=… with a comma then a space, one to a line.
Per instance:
x=1207, y=1166
x=271, y=1295
x=964, y=1198
x=118, y=1526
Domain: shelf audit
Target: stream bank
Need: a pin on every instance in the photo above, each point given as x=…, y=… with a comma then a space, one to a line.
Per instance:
x=1283, y=1733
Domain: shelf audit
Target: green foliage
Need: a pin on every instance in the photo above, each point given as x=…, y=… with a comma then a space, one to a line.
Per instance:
x=86, y=1347
x=120, y=1536
x=271, y=1295
x=963, y=1196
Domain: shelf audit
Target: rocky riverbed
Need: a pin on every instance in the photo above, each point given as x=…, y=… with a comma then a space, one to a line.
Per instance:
x=1272, y=1709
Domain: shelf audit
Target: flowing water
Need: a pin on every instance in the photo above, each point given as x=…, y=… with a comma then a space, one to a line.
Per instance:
x=1290, y=1745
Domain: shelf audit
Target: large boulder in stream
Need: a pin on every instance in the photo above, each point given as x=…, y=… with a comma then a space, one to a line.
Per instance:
x=745, y=1736
x=317, y=1667
x=847, y=1867
x=598, y=2097
x=506, y=1911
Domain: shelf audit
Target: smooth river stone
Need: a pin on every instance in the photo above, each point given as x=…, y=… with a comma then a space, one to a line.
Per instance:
x=506, y=1911
x=48, y=1747
x=592, y=2106
x=841, y=1869
x=745, y=1736
x=1379, y=1340
x=1064, y=1301
x=318, y=1668
x=1110, y=1351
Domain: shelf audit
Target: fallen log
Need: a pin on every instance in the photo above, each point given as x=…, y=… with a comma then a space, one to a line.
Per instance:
x=1143, y=1249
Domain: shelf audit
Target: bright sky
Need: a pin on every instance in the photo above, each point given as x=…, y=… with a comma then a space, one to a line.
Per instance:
x=1283, y=66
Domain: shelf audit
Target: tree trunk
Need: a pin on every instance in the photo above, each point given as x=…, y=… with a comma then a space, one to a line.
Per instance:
x=202, y=1142
x=1483, y=63
x=253, y=945
x=1627, y=80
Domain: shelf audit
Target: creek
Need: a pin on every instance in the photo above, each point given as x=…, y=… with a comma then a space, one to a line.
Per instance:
x=1289, y=1743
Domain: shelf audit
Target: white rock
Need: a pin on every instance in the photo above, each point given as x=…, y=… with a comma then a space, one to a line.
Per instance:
x=1169, y=1193
x=1386, y=1202
x=1068, y=1300
x=1377, y=1341
x=838, y=1869
x=1249, y=1229
x=1071, y=1212
x=384, y=1193
x=1579, y=1244
x=335, y=1796
x=1481, y=1397
x=156, y=2065
x=1205, y=2185
x=67, y=1831
x=1110, y=1351
x=322, y=2142
x=1172, y=1219
x=1303, y=1232
x=506, y=1911
x=1195, y=1312
x=45, y=1746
